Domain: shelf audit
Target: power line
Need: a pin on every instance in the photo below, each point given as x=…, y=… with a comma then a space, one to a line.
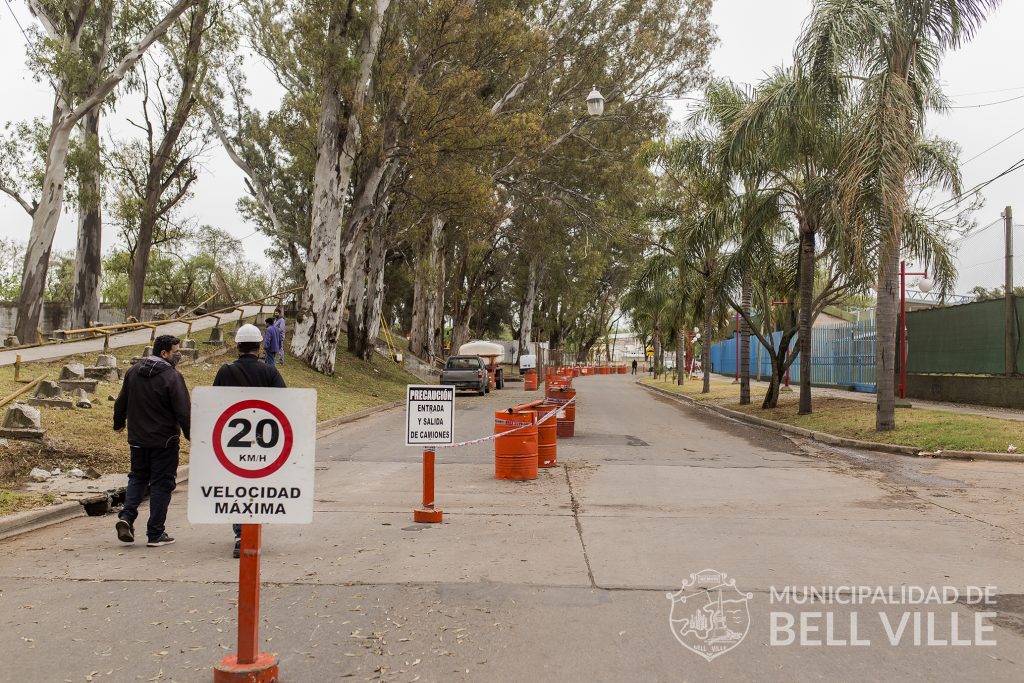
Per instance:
x=989, y=92
x=986, y=151
x=987, y=104
x=968, y=235
x=953, y=201
x=15, y=17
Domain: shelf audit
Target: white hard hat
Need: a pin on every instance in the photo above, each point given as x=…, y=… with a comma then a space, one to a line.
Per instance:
x=248, y=333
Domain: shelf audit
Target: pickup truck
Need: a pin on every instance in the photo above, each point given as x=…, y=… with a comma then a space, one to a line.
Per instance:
x=466, y=372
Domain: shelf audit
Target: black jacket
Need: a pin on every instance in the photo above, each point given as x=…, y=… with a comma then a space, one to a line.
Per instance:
x=248, y=371
x=155, y=403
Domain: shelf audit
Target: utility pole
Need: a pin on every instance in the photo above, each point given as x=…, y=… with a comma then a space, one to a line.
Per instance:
x=1011, y=317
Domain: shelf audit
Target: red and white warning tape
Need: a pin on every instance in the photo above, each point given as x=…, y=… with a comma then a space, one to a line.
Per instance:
x=511, y=431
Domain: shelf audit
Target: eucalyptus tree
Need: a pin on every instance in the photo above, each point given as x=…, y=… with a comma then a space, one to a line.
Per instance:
x=890, y=50
x=171, y=123
x=78, y=90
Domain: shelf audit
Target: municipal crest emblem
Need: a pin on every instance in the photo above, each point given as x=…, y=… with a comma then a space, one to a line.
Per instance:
x=709, y=614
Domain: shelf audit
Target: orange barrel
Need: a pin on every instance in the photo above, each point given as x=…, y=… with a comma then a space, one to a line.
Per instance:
x=557, y=383
x=576, y=371
x=515, y=455
x=623, y=369
x=560, y=397
x=530, y=380
x=547, y=436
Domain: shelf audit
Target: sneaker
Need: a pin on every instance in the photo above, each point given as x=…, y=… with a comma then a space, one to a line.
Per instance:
x=125, y=532
x=157, y=542
x=237, y=552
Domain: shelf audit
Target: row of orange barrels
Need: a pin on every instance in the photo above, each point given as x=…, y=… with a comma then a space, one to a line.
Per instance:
x=530, y=377
x=528, y=434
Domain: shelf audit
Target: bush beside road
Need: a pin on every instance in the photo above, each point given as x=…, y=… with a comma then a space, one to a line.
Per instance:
x=924, y=429
x=84, y=438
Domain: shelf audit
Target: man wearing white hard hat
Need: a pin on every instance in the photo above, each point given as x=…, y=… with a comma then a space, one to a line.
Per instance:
x=247, y=371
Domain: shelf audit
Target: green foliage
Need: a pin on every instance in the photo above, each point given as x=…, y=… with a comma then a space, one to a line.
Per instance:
x=184, y=271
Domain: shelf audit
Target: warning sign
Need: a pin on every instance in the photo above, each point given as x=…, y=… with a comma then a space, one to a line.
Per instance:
x=252, y=456
x=429, y=415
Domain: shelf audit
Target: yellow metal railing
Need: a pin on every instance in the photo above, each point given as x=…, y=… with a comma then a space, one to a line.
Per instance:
x=189, y=318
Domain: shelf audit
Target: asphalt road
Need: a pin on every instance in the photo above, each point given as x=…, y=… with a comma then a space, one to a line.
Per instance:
x=560, y=579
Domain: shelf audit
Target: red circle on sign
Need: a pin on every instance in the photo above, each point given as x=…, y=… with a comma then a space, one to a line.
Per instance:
x=286, y=432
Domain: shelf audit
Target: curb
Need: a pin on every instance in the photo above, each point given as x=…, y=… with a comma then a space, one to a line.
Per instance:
x=30, y=520
x=832, y=439
x=328, y=427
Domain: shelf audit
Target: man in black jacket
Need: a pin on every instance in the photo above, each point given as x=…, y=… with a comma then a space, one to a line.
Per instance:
x=247, y=371
x=155, y=404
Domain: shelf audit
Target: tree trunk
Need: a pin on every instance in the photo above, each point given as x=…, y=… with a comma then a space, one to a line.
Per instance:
x=526, y=328
x=746, y=294
x=705, y=352
x=424, y=299
x=656, y=358
x=320, y=309
x=886, y=312
x=461, y=326
x=807, y=247
x=771, y=397
x=44, y=226
x=680, y=355
x=88, y=256
x=355, y=293
x=373, y=300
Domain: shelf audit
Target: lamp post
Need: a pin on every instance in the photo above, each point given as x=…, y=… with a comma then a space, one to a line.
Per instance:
x=925, y=286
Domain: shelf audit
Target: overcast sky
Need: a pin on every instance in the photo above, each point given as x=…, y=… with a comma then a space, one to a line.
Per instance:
x=755, y=36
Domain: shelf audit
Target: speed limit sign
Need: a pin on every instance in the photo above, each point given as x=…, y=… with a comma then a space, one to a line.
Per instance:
x=252, y=456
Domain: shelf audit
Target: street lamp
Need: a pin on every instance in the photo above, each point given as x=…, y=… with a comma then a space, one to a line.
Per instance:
x=924, y=285
x=595, y=102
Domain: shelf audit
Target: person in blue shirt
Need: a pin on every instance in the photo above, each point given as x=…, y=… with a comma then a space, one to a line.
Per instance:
x=271, y=342
x=279, y=323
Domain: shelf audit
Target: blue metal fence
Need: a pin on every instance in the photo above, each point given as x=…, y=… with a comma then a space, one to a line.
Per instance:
x=841, y=355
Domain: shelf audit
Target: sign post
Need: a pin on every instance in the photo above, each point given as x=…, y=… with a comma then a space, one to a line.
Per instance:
x=429, y=421
x=252, y=462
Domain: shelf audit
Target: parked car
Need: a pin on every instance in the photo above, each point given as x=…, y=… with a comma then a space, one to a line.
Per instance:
x=466, y=372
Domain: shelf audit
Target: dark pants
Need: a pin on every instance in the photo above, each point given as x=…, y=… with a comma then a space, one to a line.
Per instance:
x=156, y=468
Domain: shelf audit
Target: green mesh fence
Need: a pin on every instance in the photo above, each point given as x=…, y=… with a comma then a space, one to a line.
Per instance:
x=967, y=339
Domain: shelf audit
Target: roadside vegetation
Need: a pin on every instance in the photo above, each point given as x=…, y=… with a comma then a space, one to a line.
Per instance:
x=929, y=430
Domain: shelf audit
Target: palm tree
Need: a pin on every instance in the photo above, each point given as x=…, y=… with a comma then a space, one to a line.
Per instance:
x=755, y=201
x=889, y=51
x=796, y=137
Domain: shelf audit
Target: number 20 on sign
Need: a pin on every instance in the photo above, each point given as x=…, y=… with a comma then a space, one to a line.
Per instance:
x=252, y=456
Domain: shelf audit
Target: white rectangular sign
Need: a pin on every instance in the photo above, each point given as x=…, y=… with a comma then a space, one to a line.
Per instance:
x=252, y=456
x=429, y=415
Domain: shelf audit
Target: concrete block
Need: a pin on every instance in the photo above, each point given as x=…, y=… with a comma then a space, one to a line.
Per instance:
x=72, y=384
x=102, y=374
x=73, y=371
x=21, y=422
x=49, y=395
x=106, y=361
x=81, y=399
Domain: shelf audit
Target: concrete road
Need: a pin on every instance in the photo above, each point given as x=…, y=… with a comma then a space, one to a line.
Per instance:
x=560, y=579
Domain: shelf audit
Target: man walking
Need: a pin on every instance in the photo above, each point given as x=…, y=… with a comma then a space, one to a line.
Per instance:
x=271, y=342
x=279, y=324
x=248, y=371
x=634, y=366
x=155, y=404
